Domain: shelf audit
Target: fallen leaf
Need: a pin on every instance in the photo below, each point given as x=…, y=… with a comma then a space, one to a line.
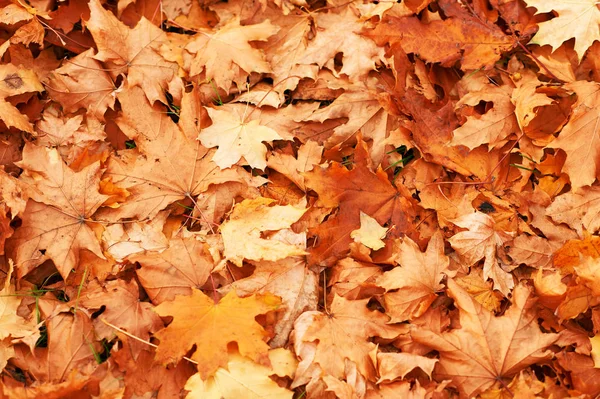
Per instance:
x=571, y=21
x=487, y=349
x=198, y=320
x=480, y=241
x=411, y=286
x=244, y=378
x=370, y=233
x=250, y=218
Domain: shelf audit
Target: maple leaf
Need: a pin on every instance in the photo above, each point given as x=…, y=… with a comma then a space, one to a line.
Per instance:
x=198, y=320
x=475, y=43
x=573, y=20
x=244, y=378
x=353, y=191
x=144, y=375
x=12, y=325
x=289, y=279
x=168, y=164
x=236, y=138
x=487, y=349
x=224, y=54
x=359, y=55
x=580, y=138
x=65, y=355
x=342, y=334
x=82, y=83
x=417, y=279
x=578, y=210
x=365, y=113
x=15, y=81
x=392, y=366
x=251, y=217
x=309, y=155
x=134, y=53
x=57, y=224
x=482, y=240
x=122, y=307
x=283, y=50
x=493, y=127
x=187, y=262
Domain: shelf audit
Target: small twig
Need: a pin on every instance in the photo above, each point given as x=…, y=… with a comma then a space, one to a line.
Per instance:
x=138, y=338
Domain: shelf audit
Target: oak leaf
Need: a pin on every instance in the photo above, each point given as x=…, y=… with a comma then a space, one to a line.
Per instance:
x=572, y=20
x=487, y=349
x=411, y=287
x=236, y=138
x=198, y=320
x=482, y=240
x=251, y=217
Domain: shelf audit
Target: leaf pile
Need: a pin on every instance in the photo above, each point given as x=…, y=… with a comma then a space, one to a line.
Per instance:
x=299, y=199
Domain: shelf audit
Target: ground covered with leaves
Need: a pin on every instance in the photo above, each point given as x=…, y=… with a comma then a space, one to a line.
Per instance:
x=299, y=199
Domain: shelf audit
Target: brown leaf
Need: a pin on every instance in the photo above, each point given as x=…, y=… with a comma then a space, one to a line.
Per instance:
x=487, y=349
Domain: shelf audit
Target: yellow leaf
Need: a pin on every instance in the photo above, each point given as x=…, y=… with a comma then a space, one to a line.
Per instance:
x=236, y=138
x=245, y=379
x=370, y=232
x=242, y=233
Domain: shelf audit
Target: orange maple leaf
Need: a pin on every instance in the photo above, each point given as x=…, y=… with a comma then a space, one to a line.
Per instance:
x=198, y=320
x=353, y=191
